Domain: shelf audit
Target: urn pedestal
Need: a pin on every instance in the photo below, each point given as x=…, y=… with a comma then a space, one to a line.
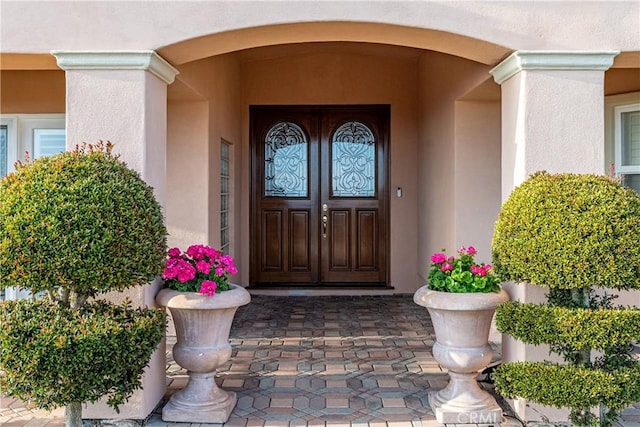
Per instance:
x=462, y=322
x=202, y=332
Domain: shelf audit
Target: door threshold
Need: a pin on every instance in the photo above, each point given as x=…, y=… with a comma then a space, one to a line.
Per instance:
x=316, y=292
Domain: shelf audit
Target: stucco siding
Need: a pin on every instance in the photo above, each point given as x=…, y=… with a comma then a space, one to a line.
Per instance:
x=31, y=92
x=335, y=76
x=37, y=27
x=443, y=81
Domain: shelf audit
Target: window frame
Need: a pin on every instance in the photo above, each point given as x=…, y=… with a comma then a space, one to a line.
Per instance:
x=225, y=227
x=39, y=132
x=20, y=139
x=11, y=122
x=21, y=133
x=618, y=143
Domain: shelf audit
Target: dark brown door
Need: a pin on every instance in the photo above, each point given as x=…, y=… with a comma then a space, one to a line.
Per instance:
x=319, y=195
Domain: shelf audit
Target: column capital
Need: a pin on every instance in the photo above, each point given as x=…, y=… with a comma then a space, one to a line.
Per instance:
x=523, y=60
x=147, y=60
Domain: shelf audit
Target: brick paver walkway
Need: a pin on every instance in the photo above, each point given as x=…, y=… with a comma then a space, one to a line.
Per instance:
x=316, y=361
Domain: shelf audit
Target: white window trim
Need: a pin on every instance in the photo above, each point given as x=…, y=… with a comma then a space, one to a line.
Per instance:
x=20, y=132
x=620, y=169
x=12, y=140
x=20, y=139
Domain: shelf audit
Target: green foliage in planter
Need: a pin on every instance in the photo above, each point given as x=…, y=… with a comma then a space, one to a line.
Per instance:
x=52, y=355
x=576, y=328
x=569, y=231
x=81, y=221
x=569, y=386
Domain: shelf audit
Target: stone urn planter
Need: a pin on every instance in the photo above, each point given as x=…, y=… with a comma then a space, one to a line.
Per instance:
x=202, y=330
x=462, y=322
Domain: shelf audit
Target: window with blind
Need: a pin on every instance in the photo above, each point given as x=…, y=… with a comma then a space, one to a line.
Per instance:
x=47, y=142
x=627, y=144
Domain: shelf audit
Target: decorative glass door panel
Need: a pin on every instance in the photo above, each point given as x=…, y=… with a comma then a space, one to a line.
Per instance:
x=319, y=195
x=285, y=161
x=353, y=154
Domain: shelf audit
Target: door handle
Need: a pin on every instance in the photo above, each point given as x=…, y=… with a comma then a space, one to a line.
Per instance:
x=325, y=221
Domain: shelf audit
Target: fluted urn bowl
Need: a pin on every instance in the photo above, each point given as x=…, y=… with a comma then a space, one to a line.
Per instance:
x=202, y=345
x=462, y=322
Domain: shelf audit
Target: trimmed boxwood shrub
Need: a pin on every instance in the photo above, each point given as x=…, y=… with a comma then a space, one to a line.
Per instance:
x=571, y=386
x=80, y=220
x=578, y=328
x=52, y=355
x=74, y=225
x=571, y=233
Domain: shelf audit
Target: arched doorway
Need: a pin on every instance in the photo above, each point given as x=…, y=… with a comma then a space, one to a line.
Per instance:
x=420, y=87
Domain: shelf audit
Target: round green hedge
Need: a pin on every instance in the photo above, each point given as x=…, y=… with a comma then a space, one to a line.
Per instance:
x=80, y=220
x=574, y=327
x=52, y=355
x=569, y=386
x=569, y=231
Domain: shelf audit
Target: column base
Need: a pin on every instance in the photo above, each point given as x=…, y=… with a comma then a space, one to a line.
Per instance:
x=213, y=413
x=464, y=402
x=447, y=414
x=201, y=401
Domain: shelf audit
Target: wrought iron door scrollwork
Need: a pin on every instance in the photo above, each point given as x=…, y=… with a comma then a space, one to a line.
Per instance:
x=353, y=161
x=285, y=161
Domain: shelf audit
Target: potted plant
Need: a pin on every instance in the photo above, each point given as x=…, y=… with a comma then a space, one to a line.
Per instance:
x=202, y=303
x=573, y=234
x=461, y=297
x=71, y=227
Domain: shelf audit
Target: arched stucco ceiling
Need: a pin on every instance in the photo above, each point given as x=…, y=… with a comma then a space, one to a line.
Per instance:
x=419, y=38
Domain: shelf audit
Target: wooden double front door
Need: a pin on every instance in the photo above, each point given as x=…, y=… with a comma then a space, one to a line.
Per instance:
x=319, y=195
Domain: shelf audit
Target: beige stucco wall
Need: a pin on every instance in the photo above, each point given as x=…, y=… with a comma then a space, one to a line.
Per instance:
x=32, y=92
x=450, y=132
x=37, y=27
x=339, y=74
x=204, y=108
x=449, y=175
x=447, y=193
x=477, y=174
x=187, y=173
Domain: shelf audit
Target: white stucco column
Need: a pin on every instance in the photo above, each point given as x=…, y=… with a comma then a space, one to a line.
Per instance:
x=553, y=120
x=122, y=97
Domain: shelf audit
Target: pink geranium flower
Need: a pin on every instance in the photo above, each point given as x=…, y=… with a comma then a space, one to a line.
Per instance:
x=186, y=272
x=208, y=287
x=210, y=252
x=200, y=269
x=173, y=252
x=203, y=267
x=196, y=252
x=438, y=258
